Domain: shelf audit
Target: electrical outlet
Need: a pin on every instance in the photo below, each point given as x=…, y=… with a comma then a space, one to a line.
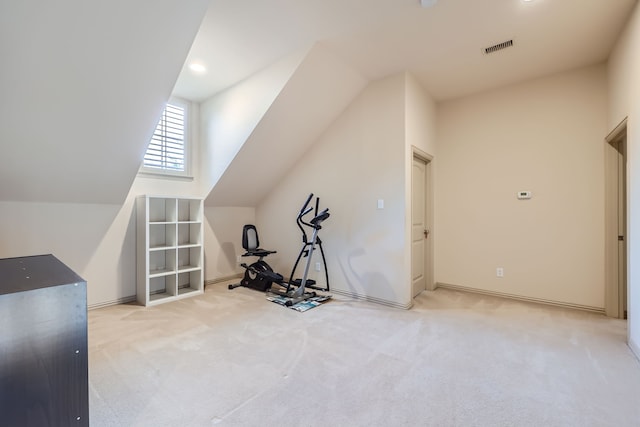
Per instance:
x=317, y=266
x=499, y=272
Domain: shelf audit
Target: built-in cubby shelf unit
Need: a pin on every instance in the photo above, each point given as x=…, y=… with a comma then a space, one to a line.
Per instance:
x=170, y=248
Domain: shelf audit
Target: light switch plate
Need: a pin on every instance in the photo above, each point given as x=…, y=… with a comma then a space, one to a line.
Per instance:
x=524, y=195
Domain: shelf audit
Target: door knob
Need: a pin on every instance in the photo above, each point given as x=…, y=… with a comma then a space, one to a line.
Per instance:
x=426, y=234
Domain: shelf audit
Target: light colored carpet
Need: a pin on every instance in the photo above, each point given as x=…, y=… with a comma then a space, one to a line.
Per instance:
x=231, y=358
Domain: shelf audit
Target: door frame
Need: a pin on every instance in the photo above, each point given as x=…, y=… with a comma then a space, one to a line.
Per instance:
x=614, y=303
x=429, y=248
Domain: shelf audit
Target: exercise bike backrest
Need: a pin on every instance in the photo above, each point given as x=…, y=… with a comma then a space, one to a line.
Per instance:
x=251, y=243
x=250, y=240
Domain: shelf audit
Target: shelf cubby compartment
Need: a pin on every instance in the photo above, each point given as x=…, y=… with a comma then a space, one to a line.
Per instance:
x=190, y=282
x=189, y=210
x=189, y=234
x=162, y=262
x=162, y=236
x=162, y=287
x=162, y=209
x=189, y=258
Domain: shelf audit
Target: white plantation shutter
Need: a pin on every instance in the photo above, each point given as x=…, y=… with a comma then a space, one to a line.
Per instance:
x=166, y=150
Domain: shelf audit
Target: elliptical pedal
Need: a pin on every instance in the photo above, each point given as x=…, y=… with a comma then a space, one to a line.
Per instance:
x=298, y=282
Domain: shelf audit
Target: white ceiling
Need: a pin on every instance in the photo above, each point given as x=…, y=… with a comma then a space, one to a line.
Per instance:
x=442, y=45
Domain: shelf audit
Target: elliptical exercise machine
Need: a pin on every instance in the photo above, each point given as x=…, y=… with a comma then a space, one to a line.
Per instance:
x=308, y=246
x=295, y=289
x=260, y=276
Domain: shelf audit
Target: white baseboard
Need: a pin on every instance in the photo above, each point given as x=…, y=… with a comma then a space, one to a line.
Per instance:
x=130, y=299
x=599, y=310
x=222, y=279
x=635, y=349
x=372, y=299
x=124, y=300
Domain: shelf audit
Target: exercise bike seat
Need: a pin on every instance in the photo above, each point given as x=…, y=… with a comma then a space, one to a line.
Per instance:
x=251, y=243
x=258, y=252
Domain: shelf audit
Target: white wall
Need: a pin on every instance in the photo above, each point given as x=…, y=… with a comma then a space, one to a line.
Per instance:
x=98, y=241
x=82, y=89
x=545, y=136
x=624, y=96
x=223, y=240
x=420, y=118
x=360, y=158
x=74, y=233
x=229, y=118
x=308, y=100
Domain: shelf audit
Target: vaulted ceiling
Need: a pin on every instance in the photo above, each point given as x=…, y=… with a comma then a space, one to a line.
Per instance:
x=443, y=46
x=83, y=83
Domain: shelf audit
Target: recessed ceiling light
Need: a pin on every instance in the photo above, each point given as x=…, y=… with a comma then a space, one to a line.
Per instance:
x=428, y=3
x=197, y=67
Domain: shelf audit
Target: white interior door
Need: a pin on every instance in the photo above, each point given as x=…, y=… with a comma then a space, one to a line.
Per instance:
x=419, y=231
x=616, y=223
x=622, y=228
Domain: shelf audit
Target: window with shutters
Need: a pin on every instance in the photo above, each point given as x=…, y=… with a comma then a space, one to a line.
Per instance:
x=167, y=152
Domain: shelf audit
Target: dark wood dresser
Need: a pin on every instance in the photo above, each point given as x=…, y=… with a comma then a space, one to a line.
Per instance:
x=43, y=344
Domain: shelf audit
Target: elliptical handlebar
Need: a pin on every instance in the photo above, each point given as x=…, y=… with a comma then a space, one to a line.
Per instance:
x=315, y=221
x=305, y=210
x=304, y=207
x=302, y=213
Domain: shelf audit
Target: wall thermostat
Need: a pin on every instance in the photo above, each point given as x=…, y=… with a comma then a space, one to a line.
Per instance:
x=524, y=195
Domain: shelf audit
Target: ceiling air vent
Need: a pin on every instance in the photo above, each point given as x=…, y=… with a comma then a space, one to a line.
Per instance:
x=497, y=47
